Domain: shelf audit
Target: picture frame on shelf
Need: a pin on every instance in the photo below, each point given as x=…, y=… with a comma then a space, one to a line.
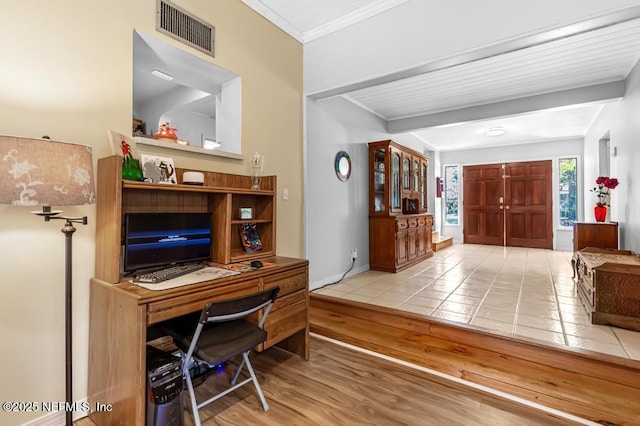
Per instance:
x=246, y=213
x=125, y=147
x=410, y=205
x=158, y=169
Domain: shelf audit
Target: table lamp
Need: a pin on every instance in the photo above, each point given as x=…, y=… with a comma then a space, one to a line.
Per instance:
x=44, y=173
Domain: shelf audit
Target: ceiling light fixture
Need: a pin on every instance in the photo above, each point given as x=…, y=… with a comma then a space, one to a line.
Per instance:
x=162, y=75
x=495, y=131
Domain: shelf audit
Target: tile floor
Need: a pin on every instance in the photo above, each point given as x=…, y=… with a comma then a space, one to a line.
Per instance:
x=526, y=292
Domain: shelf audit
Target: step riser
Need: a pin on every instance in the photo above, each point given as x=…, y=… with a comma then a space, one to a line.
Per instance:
x=442, y=243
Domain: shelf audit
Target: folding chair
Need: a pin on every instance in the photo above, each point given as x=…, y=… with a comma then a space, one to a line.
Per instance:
x=222, y=333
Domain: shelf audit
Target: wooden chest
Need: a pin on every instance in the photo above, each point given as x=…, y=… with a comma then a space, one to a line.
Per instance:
x=609, y=286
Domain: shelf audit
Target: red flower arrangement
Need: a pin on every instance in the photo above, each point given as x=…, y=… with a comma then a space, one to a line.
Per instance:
x=604, y=185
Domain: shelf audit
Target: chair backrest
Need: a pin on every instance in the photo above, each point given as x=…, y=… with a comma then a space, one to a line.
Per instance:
x=238, y=307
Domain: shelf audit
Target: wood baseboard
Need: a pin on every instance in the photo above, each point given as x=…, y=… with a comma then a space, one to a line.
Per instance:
x=598, y=387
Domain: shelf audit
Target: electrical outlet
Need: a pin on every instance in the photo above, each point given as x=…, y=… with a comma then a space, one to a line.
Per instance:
x=354, y=254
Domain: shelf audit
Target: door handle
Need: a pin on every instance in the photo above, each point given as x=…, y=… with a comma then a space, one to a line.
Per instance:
x=501, y=207
x=507, y=207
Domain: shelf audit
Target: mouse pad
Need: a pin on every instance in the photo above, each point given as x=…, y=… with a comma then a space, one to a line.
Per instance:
x=246, y=266
x=204, y=274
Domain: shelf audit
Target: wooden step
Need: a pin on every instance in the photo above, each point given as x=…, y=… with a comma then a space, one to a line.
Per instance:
x=599, y=387
x=439, y=242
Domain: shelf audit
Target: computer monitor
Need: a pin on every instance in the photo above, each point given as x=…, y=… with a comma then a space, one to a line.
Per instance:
x=163, y=239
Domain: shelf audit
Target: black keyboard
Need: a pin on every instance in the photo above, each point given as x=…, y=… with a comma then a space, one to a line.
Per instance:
x=160, y=275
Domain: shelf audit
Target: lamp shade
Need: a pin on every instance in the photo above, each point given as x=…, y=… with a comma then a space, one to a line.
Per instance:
x=45, y=172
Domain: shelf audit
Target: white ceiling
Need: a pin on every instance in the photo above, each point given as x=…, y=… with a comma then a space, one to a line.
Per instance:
x=552, y=124
x=449, y=107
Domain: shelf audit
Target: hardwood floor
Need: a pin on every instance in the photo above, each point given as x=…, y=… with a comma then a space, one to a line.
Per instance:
x=340, y=386
x=598, y=387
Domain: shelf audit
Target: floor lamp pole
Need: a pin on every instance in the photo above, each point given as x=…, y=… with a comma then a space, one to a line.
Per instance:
x=68, y=231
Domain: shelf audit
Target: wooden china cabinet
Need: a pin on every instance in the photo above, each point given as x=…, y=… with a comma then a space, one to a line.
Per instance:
x=399, y=225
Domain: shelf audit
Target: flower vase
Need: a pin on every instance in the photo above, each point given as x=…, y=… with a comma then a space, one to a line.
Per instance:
x=600, y=213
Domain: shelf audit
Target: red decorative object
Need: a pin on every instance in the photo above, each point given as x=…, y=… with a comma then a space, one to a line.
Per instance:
x=604, y=185
x=166, y=132
x=600, y=213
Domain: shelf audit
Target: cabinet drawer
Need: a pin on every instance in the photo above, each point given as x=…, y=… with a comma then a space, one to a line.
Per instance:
x=588, y=273
x=288, y=281
x=402, y=224
x=290, y=299
x=286, y=321
x=413, y=222
x=586, y=288
x=182, y=305
x=422, y=221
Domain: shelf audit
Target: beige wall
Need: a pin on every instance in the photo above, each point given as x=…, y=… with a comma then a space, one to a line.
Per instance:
x=66, y=72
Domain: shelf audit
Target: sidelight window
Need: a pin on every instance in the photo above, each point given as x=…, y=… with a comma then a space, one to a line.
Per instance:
x=451, y=195
x=568, y=180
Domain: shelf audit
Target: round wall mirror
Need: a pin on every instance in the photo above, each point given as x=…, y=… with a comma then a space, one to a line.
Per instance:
x=343, y=166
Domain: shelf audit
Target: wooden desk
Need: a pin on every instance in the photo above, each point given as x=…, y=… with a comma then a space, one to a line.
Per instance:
x=609, y=286
x=121, y=314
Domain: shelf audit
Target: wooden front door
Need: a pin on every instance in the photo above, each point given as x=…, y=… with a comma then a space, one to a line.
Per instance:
x=528, y=204
x=508, y=204
x=483, y=218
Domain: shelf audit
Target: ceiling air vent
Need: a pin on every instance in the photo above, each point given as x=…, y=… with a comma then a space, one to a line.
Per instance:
x=181, y=25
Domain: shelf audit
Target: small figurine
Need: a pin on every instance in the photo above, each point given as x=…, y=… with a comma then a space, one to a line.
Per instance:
x=166, y=133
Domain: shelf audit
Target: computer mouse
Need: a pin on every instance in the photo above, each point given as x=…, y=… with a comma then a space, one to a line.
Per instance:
x=256, y=264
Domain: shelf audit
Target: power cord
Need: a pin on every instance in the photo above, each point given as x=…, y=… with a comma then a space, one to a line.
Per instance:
x=353, y=262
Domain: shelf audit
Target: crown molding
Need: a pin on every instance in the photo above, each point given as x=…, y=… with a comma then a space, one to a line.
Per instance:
x=326, y=28
x=350, y=19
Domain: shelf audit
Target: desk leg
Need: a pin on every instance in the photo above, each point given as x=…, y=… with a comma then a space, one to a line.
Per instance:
x=297, y=344
x=117, y=356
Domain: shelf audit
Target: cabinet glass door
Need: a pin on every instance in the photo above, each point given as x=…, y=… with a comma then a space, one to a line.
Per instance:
x=423, y=186
x=395, y=180
x=406, y=173
x=416, y=175
x=379, y=192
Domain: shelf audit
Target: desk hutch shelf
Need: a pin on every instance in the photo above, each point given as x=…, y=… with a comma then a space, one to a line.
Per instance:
x=222, y=194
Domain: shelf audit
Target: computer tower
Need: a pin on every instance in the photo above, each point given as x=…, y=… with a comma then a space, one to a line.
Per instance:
x=164, y=389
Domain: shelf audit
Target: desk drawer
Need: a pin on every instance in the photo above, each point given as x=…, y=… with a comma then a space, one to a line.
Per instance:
x=193, y=302
x=284, y=322
x=289, y=281
x=290, y=299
